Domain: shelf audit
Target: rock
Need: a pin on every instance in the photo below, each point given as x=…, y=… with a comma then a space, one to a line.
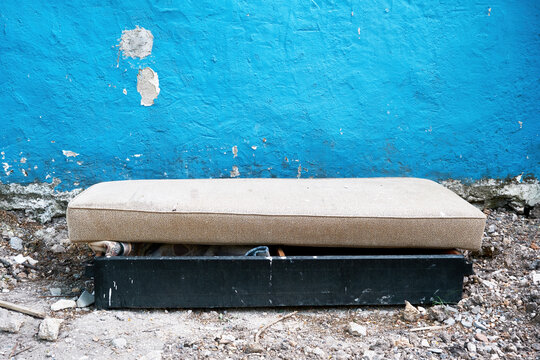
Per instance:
x=437, y=312
x=369, y=354
x=466, y=322
x=424, y=343
x=55, y=291
x=253, y=348
x=471, y=347
x=57, y=249
x=435, y=350
x=63, y=304
x=356, y=329
x=86, y=299
x=492, y=228
x=16, y=243
x=450, y=321
x=49, y=329
x=481, y=337
x=319, y=352
x=10, y=322
x=119, y=343
x=226, y=339
x=536, y=346
x=479, y=325
x=342, y=355
x=536, y=277
x=410, y=313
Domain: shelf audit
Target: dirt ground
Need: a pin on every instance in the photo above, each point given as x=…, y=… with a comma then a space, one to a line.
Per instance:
x=498, y=317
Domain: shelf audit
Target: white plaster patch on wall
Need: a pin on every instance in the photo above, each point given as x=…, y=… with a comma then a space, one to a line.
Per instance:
x=69, y=153
x=136, y=43
x=6, y=167
x=235, y=172
x=148, y=86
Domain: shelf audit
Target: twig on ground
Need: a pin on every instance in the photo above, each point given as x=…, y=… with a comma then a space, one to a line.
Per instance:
x=22, y=309
x=264, y=328
x=436, y=327
x=12, y=353
x=22, y=350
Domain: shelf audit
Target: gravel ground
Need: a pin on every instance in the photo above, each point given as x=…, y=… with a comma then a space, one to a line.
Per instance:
x=498, y=318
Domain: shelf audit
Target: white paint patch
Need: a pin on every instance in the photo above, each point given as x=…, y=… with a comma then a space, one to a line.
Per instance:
x=234, y=172
x=148, y=86
x=235, y=151
x=124, y=91
x=69, y=153
x=6, y=167
x=136, y=43
x=23, y=160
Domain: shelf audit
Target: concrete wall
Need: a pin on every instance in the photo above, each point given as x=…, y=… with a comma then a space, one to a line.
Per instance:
x=437, y=89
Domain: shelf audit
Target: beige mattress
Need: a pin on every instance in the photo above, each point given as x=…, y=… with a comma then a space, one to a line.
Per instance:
x=363, y=212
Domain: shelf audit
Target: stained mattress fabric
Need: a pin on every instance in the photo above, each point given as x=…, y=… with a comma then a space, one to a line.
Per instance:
x=351, y=212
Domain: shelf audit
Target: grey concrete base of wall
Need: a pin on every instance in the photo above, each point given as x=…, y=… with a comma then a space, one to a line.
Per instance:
x=522, y=196
x=42, y=202
x=39, y=201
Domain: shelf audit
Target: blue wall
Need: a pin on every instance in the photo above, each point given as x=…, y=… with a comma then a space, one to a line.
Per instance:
x=438, y=89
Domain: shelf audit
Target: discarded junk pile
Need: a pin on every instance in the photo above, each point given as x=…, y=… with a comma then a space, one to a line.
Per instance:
x=275, y=242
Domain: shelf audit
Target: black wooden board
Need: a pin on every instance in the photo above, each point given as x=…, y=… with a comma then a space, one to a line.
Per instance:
x=240, y=281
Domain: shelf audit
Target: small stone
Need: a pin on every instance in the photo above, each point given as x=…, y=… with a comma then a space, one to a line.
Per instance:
x=536, y=346
x=342, y=355
x=226, y=339
x=435, y=350
x=16, y=243
x=466, y=322
x=86, y=299
x=450, y=321
x=369, y=354
x=471, y=347
x=479, y=325
x=253, y=348
x=492, y=228
x=536, y=277
x=57, y=249
x=49, y=329
x=437, y=312
x=55, y=291
x=119, y=343
x=510, y=348
x=319, y=352
x=356, y=329
x=481, y=337
x=410, y=313
x=10, y=322
x=63, y=304
x=424, y=343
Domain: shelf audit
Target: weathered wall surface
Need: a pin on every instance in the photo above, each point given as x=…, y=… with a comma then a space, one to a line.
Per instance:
x=436, y=89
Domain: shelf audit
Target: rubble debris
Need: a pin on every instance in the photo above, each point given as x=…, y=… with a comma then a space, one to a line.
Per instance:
x=63, y=304
x=49, y=329
x=410, y=313
x=86, y=299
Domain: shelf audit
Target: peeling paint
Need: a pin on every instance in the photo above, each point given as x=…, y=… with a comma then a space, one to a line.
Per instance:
x=235, y=151
x=136, y=43
x=6, y=167
x=234, y=172
x=148, y=86
x=69, y=153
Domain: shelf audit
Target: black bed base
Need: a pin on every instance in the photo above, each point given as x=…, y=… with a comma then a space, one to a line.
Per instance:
x=240, y=281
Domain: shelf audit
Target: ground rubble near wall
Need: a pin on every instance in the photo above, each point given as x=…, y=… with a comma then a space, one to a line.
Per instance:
x=38, y=201
x=522, y=196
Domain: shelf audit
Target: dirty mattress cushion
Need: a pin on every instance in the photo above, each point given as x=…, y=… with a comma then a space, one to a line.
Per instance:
x=369, y=212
